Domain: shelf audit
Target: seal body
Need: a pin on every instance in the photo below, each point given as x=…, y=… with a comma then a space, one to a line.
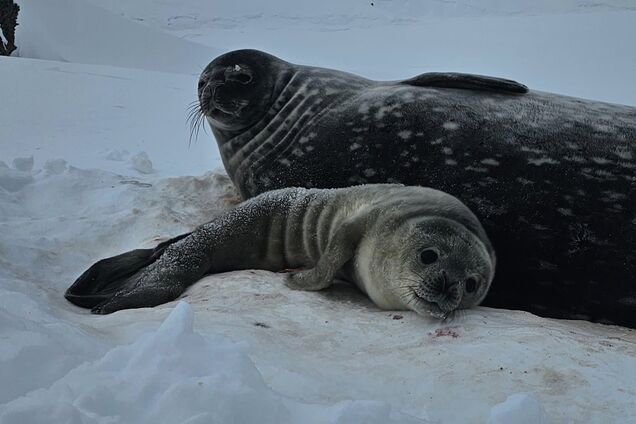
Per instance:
x=552, y=178
x=405, y=247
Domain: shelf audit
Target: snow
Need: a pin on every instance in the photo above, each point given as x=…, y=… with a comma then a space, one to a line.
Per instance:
x=575, y=47
x=95, y=159
x=141, y=163
x=79, y=32
x=202, y=380
x=519, y=408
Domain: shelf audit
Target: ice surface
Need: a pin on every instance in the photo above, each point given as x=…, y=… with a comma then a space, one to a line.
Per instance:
x=574, y=47
x=82, y=111
x=175, y=375
x=333, y=348
x=105, y=85
x=520, y=408
x=37, y=347
x=80, y=32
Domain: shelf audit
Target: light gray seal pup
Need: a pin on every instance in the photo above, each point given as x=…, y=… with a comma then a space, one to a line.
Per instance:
x=405, y=247
x=552, y=178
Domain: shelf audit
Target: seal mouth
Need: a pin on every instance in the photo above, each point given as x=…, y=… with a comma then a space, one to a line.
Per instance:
x=430, y=307
x=211, y=99
x=208, y=98
x=438, y=296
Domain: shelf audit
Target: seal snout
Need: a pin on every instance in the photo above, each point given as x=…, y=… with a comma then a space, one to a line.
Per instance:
x=219, y=88
x=448, y=292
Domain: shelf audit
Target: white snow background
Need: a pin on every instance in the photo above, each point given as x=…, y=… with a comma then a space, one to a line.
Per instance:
x=95, y=160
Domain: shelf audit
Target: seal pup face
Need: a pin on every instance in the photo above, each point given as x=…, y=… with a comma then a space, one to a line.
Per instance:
x=436, y=266
x=235, y=89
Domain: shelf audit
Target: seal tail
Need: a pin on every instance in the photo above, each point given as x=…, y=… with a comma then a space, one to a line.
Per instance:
x=101, y=281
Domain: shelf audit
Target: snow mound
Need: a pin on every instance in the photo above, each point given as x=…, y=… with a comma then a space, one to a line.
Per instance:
x=520, y=408
x=13, y=179
x=142, y=163
x=37, y=347
x=174, y=375
x=23, y=164
x=55, y=166
x=79, y=32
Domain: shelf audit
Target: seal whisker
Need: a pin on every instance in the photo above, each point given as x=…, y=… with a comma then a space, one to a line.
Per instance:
x=196, y=119
x=410, y=298
x=408, y=286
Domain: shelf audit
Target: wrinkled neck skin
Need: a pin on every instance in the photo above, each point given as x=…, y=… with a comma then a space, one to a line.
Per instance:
x=301, y=96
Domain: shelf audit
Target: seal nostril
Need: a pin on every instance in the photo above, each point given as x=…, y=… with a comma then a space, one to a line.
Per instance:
x=201, y=84
x=471, y=285
x=450, y=287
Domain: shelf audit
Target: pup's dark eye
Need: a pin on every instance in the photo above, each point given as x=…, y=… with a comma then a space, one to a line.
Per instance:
x=471, y=285
x=428, y=256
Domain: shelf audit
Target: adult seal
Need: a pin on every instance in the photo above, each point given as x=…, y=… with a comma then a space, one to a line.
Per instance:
x=405, y=247
x=552, y=178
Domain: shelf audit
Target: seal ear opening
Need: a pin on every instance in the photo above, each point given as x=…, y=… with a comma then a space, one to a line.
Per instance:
x=108, y=276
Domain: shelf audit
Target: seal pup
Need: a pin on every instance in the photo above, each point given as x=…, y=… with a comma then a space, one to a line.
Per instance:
x=552, y=178
x=405, y=247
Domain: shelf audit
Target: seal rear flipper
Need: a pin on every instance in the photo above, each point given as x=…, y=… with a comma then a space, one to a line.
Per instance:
x=141, y=291
x=109, y=276
x=466, y=81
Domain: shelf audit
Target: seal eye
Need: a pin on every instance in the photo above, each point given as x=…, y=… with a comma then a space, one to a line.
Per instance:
x=428, y=256
x=238, y=74
x=471, y=285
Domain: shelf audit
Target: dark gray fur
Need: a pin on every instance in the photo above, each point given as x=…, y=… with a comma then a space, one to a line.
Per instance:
x=552, y=178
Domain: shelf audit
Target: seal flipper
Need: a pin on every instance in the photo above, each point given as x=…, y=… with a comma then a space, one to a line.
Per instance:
x=105, y=278
x=142, y=290
x=466, y=82
x=340, y=250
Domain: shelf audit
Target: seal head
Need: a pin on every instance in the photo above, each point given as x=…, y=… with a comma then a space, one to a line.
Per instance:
x=237, y=88
x=432, y=266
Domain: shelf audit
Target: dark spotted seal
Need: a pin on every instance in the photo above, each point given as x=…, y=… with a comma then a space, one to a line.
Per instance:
x=405, y=247
x=552, y=178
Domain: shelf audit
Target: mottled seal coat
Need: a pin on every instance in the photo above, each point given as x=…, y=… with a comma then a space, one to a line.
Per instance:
x=552, y=178
x=405, y=247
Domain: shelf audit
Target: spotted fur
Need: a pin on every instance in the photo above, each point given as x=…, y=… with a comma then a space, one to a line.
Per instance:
x=552, y=178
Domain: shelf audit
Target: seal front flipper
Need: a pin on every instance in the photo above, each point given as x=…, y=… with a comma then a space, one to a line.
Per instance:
x=466, y=82
x=340, y=249
x=112, y=275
